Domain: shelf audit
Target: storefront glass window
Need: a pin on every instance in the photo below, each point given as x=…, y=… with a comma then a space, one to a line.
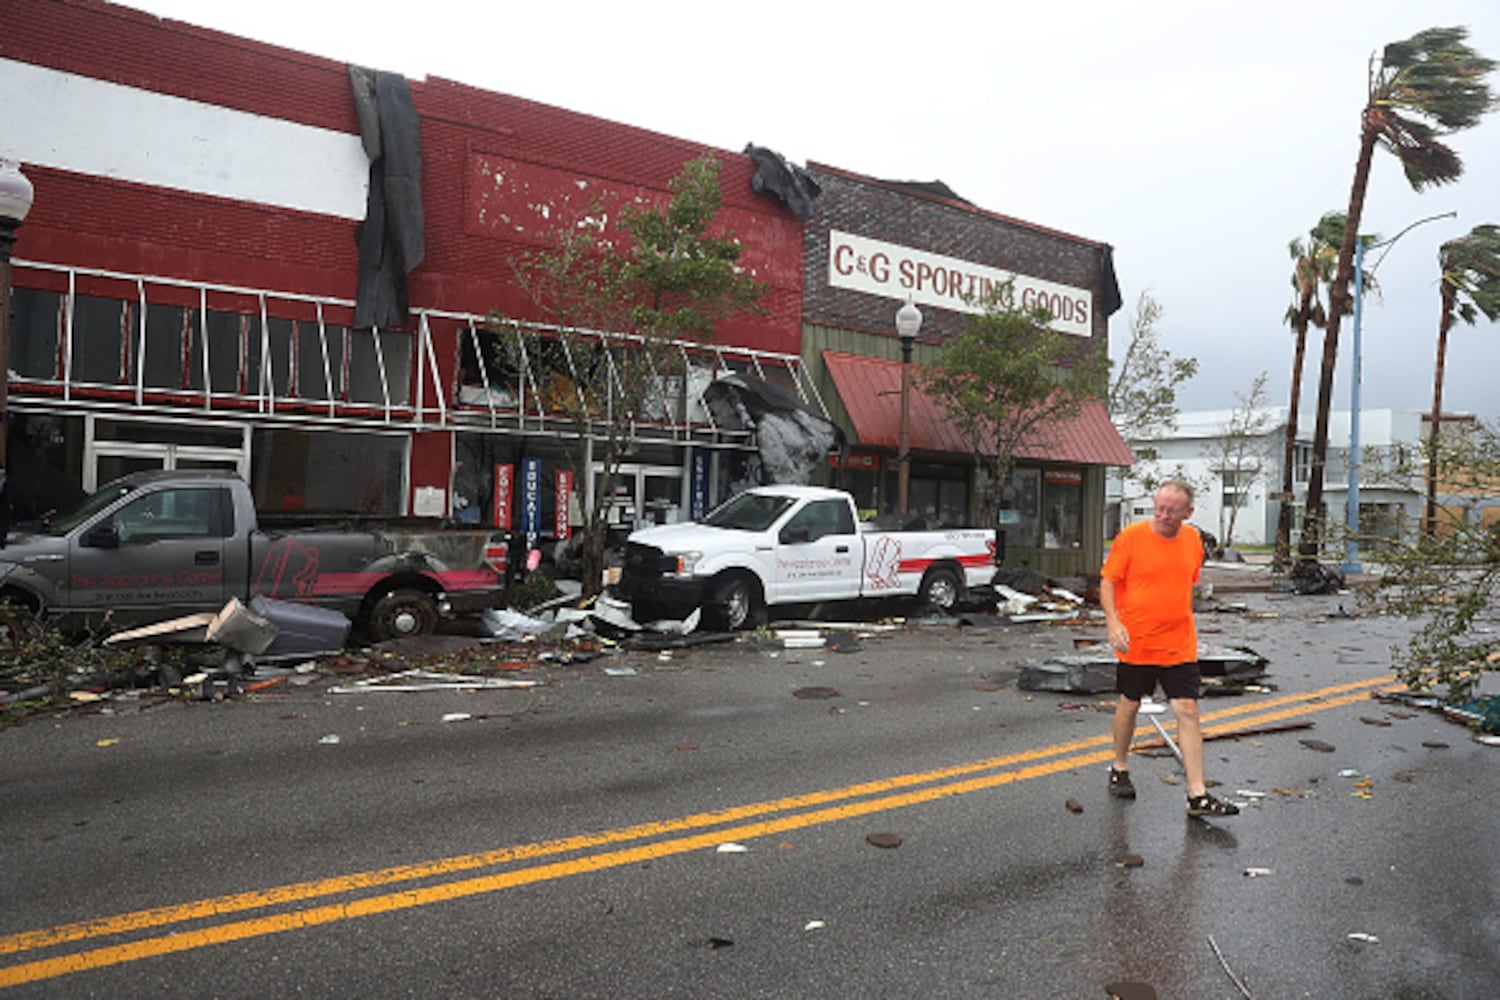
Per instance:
x=295, y=470
x=1063, y=503
x=1021, y=509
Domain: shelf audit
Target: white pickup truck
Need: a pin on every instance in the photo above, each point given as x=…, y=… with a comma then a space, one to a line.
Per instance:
x=780, y=545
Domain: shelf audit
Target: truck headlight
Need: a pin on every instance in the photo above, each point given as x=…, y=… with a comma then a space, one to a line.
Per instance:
x=686, y=563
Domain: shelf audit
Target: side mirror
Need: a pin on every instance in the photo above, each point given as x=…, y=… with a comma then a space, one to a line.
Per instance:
x=101, y=536
x=795, y=534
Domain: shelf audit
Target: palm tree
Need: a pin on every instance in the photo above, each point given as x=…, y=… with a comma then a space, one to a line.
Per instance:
x=1470, y=286
x=1312, y=267
x=1428, y=86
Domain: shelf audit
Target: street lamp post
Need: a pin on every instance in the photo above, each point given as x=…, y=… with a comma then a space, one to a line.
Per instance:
x=908, y=322
x=1351, y=494
x=15, y=202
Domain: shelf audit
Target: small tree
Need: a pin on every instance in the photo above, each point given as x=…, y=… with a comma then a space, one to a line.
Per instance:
x=622, y=301
x=1143, y=388
x=1240, y=454
x=1004, y=379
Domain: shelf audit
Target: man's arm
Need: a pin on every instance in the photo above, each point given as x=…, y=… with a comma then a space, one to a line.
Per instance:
x=1119, y=636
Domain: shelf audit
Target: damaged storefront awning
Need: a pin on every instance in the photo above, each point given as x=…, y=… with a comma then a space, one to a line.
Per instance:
x=870, y=389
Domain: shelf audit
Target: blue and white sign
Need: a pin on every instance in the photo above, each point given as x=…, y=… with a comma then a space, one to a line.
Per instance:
x=531, y=500
x=698, y=502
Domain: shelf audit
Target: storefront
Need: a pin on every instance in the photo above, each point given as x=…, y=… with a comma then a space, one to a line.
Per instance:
x=873, y=246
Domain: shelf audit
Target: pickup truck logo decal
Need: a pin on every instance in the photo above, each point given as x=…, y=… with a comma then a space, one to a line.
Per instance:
x=290, y=569
x=883, y=563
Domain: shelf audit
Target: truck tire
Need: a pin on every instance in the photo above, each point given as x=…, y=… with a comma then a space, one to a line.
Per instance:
x=941, y=588
x=402, y=613
x=734, y=603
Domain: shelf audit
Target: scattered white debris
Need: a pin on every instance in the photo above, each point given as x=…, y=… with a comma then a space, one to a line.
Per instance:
x=815, y=925
x=457, y=717
x=732, y=849
x=1362, y=936
x=330, y=740
x=1258, y=872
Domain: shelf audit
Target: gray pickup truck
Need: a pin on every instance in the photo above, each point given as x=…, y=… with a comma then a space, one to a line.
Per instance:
x=155, y=545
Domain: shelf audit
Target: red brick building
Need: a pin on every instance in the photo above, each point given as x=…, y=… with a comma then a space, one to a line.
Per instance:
x=191, y=288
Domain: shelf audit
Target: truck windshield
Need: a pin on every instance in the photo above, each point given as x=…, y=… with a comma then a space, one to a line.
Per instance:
x=61, y=524
x=749, y=512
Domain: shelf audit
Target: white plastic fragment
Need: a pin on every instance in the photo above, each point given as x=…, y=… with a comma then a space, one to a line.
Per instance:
x=619, y=671
x=1258, y=872
x=457, y=717
x=815, y=925
x=1362, y=936
x=1248, y=794
x=330, y=740
x=732, y=849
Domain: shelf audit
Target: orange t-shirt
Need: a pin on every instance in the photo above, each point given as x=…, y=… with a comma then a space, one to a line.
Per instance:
x=1153, y=578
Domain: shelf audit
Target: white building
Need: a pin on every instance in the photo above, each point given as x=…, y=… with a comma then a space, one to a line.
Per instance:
x=1234, y=459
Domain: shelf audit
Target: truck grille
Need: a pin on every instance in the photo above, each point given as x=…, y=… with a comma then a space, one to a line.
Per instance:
x=643, y=563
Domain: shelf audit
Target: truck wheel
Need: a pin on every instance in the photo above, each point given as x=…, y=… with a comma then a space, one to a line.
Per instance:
x=402, y=613
x=733, y=604
x=940, y=588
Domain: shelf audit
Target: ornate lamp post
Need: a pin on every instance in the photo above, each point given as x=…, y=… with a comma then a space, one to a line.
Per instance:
x=15, y=202
x=908, y=323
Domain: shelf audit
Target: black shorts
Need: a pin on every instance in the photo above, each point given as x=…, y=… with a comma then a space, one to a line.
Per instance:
x=1136, y=682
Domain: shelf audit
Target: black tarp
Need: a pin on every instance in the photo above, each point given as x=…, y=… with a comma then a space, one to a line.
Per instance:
x=391, y=239
x=789, y=182
x=793, y=440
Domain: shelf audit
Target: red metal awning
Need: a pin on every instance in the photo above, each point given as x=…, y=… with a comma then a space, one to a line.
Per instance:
x=871, y=391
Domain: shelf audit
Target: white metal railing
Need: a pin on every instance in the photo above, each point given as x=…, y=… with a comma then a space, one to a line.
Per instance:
x=423, y=402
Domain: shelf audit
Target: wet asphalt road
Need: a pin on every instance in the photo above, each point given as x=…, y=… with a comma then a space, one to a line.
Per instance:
x=568, y=834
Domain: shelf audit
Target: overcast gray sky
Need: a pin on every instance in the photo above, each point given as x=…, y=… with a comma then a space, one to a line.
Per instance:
x=1197, y=138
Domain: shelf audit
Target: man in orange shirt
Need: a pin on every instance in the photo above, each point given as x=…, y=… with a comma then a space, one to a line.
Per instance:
x=1147, y=594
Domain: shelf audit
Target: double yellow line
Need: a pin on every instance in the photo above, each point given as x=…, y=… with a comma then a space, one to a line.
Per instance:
x=432, y=882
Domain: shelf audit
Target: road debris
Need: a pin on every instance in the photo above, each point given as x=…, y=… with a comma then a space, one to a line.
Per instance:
x=732, y=848
x=886, y=840
x=407, y=681
x=1318, y=745
x=1362, y=936
x=1258, y=872
x=1239, y=983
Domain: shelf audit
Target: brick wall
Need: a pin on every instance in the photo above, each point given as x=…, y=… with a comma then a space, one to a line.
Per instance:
x=939, y=225
x=94, y=221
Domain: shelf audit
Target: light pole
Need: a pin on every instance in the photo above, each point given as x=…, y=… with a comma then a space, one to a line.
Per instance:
x=908, y=322
x=15, y=202
x=1351, y=494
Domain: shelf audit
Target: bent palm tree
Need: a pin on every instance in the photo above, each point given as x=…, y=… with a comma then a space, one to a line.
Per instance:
x=1312, y=268
x=1470, y=285
x=1428, y=86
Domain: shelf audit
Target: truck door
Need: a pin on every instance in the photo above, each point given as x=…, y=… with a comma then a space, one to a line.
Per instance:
x=163, y=549
x=818, y=555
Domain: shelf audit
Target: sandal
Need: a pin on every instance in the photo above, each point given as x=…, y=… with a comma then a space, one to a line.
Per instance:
x=1207, y=805
x=1120, y=785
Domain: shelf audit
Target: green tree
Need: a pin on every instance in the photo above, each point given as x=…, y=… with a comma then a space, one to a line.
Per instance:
x=1003, y=380
x=1142, y=397
x=1451, y=581
x=1313, y=264
x=622, y=302
x=1239, y=454
x=1469, y=287
x=1419, y=90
